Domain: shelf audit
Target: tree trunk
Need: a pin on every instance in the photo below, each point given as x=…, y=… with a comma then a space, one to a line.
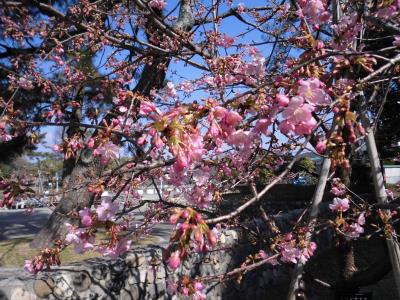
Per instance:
x=152, y=77
x=76, y=176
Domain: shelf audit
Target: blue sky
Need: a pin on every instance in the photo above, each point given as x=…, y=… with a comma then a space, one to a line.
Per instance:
x=231, y=26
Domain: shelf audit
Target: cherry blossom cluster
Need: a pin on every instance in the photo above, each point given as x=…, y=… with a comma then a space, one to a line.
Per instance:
x=191, y=234
x=187, y=288
x=48, y=257
x=350, y=228
x=298, y=111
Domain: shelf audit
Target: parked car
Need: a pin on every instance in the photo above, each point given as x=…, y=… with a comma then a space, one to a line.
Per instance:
x=27, y=202
x=19, y=204
x=33, y=202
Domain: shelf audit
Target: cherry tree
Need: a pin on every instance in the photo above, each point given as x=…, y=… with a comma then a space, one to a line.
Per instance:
x=202, y=95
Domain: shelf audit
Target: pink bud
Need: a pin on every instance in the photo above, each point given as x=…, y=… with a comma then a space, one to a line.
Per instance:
x=198, y=218
x=174, y=260
x=174, y=218
x=212, y=238
x=146, y=107
x=142, y=140
x=90, y=143
x=185, y=214
x=184, y=226
x=321, y=147
x=198, y=236
x=282, y=100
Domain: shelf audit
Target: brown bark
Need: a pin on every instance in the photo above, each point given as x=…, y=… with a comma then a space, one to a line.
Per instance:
x=75, y=178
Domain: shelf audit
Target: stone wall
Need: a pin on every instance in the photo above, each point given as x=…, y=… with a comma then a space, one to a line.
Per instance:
x=141, y=274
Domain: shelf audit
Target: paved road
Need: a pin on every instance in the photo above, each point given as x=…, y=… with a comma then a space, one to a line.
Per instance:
x=16, y=223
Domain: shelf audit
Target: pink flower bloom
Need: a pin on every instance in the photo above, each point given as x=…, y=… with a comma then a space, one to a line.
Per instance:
x=353, y=231
x=241, y=138
x=240, y=8
x=107, y=210
x=25, y=84
x=232, y=118
x=106, y=152
x=174, y=260
x=297, y=111
x=86, y=217
x=220, y=111
x=282, y=100
x=121, y=247
x=310, y=90
x=321, y=147
x=157, y=4
x=315, y=11
x=90, y=143
x=262, y=126
x=170, y=89
x=83, y=246
x=306, y=253
x=289, y=253
x=28, y=266
x=186, y=86
x=226, y=41
x=361, y=219
x=340, y=205
x=146, y=107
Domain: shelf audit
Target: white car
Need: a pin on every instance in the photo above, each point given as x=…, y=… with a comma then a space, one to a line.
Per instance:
x=19, y=204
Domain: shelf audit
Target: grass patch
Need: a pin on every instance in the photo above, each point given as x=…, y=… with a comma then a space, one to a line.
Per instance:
x=13, y=253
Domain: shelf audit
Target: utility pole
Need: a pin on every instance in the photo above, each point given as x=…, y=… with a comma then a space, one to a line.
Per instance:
x=381, y=196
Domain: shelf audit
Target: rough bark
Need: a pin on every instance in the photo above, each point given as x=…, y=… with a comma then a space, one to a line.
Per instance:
x=76, y=176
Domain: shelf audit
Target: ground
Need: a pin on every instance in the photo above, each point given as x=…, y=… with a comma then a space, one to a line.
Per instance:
x=17, y=230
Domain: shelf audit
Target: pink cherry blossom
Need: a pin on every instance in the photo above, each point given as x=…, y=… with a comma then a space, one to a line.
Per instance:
x=353, y=231
x=157, y=4
x=119, y=248
x=321, y=147
x=271, y=261
x=232, y=118
x=298, y=117
x=107, y=152
x=86, y=217
x=241, y=138
x=306, y=253
x=28, y=266
x=289, y=252
x=240, y=8
x=146, y=107
x=315, y=11
x=340, y=204
x=25, y=84
x=282, y=100
x=310, y=90
x=170, y=89
x=107, y=210
x=262, y=126
x=297, y=111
